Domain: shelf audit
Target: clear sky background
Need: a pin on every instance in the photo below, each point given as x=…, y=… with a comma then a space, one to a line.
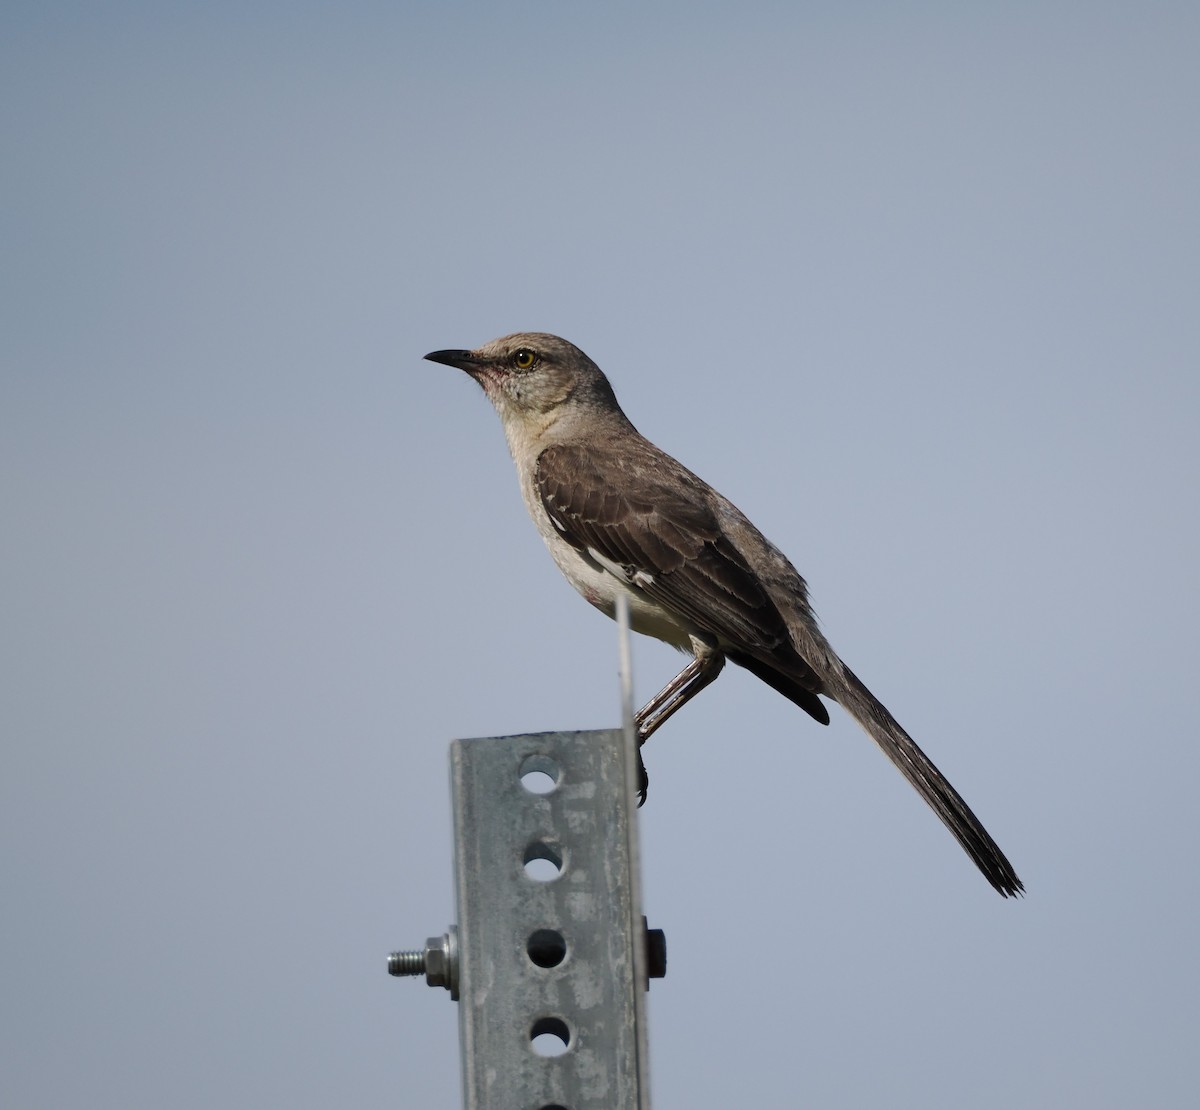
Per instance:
x=917, y=286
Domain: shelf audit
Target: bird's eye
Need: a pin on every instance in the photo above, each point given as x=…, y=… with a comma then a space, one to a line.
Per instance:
x=525, y=359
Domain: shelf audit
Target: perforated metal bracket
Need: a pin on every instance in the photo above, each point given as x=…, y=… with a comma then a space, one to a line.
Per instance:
x=551, y=956
x=552, y=945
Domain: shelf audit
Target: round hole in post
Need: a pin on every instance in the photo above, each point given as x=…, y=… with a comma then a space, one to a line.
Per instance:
x=550, y=1036
x=546, y=947
x=539, y=774
x=543, y=861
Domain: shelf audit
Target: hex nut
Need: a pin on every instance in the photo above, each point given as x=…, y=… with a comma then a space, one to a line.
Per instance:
x=437, y=962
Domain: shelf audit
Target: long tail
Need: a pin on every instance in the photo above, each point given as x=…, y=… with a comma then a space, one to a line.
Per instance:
x=931, y=784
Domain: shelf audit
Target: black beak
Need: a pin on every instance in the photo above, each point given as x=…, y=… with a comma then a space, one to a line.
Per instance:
x=464, y=360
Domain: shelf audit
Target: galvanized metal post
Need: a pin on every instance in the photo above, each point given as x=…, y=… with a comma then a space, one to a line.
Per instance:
x=551, y=946
x=551, y=957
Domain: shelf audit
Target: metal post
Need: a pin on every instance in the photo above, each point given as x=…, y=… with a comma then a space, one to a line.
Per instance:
x=551, y=956
x=550, y=943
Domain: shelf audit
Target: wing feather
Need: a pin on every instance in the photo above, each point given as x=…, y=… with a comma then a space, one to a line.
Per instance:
x=659, y=527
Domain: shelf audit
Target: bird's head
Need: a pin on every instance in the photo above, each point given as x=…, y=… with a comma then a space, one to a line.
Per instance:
x=533, y=377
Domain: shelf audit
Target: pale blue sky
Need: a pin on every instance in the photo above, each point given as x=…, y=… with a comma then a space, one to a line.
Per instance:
x=916, y=286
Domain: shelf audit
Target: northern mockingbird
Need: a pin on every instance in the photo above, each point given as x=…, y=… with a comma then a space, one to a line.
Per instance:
x=621, y=516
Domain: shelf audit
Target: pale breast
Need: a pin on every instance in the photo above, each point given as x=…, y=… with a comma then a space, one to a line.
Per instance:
x=600, y=584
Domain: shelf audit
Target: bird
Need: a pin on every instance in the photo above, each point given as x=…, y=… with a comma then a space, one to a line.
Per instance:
x=621, y=516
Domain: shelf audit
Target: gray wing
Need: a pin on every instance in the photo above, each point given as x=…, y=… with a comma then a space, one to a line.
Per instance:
x=653, y=518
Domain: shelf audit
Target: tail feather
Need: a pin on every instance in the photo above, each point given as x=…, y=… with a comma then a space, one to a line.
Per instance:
x=930, y=783
x=789, y=687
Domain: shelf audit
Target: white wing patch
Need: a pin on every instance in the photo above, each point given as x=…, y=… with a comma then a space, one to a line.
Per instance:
x=638, y=578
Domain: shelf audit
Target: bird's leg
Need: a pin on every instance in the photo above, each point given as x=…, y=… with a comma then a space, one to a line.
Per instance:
x=681, y=689
x=678, y=692
x=647, y=719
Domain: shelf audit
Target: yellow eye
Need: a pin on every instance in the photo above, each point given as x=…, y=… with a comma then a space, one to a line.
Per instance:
x=525, y=359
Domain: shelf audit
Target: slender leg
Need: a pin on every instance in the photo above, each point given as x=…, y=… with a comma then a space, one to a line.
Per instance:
x=674, y=696
x=646, y=724
x=645, y=716
x=699, y=673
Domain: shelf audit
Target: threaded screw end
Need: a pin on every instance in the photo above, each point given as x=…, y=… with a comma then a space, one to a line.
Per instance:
x=411, y=962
